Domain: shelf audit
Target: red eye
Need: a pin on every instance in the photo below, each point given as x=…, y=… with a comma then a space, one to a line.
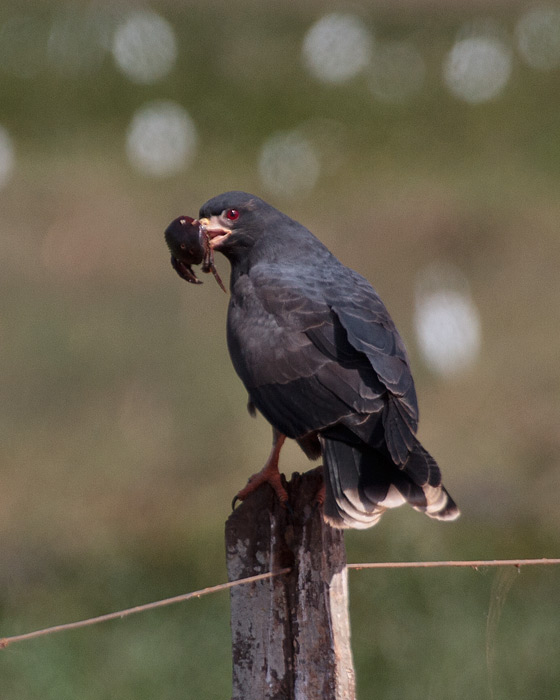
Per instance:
x=232, y=214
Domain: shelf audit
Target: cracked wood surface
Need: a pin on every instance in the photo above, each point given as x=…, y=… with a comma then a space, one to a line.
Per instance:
x=291, y=633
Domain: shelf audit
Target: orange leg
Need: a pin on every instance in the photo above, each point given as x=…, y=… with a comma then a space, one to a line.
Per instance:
x=269, y=474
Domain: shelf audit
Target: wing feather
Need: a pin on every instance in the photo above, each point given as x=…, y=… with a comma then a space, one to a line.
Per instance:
x=314, y=350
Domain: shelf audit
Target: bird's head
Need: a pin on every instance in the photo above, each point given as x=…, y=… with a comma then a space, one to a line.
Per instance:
x=235, y=220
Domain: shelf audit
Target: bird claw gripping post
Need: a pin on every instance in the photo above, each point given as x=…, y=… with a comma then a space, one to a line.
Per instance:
x=189, y=244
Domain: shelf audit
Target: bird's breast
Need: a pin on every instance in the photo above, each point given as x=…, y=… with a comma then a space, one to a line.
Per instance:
x=264, y=345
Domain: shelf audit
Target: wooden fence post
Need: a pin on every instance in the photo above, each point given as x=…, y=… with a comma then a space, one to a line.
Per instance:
x=291, y=633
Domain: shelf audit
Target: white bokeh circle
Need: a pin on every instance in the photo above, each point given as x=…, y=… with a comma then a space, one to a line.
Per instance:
x=337, y=47
x=288, y=164
x=161, y=139
x=144, y=47
x=477, y=68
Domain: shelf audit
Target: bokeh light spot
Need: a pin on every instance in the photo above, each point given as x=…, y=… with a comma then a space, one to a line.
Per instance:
x=538, y=37
x=288, y=164
x=7, y=157
x=161, y=139
x=144, y=47
x=337, y=47
x=478, y=68
x=446, y=320
x=397, y=73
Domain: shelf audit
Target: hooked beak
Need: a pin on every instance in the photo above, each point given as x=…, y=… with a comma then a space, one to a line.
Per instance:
x=217, y=233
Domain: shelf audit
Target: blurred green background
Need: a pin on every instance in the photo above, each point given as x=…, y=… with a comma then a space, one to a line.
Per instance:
x=421, y=143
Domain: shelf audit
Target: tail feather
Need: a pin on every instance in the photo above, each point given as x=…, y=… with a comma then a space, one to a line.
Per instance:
x=345, y=500
x=362, y=483
x=421, y=467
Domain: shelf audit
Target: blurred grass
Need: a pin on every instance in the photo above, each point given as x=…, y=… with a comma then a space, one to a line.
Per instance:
x=123, y=427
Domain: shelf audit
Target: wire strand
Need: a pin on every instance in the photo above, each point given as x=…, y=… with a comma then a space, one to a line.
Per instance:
x=473, y=564
x=138, y=608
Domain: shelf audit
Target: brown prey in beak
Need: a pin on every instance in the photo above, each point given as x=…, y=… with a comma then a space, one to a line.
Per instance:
x=216, y=232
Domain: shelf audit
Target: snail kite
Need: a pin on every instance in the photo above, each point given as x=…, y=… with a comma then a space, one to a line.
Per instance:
x=323, y=362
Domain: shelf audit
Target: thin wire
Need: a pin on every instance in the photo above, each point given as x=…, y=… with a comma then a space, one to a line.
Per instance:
x=138, y=608
x=474, y=564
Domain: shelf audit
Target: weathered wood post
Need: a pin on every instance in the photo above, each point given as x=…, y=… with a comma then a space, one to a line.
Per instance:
x=291, y=633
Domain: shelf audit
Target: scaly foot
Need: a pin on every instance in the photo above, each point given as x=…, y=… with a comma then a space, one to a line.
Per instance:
x=269, y=474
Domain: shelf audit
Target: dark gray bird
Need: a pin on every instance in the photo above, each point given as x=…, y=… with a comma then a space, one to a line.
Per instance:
x=323, y=362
